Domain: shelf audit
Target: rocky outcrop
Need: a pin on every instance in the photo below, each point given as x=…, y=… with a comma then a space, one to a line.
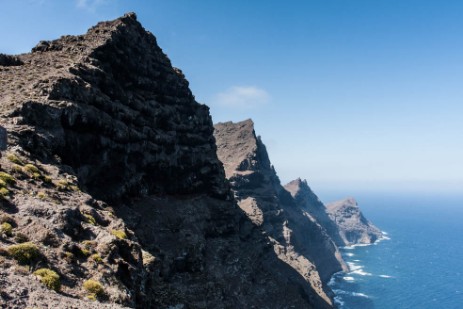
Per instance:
x=297, y=239
x=343, y=220
x=309, y=201
x=111, y=175
x=353, y=227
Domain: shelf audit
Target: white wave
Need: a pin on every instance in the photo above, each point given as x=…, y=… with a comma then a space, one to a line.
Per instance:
x=352, y=247
x=349, y=278
x=361, y=272
x=356, y=260
x=360, y=295
x=353, y=266
x=385, y=276
x=339, y=302
x=385, y=233
x=357, y=269
x=350, y=254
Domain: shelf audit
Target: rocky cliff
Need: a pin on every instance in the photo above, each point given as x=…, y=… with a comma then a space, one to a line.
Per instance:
x=353, y=227
x=297, y=238
x=309, y=201
x=112, y=193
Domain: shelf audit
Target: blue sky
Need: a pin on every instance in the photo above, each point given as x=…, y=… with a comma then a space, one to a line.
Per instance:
x=352, y=95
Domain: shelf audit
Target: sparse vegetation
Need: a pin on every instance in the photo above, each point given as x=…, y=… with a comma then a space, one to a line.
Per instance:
x=42, y=195
x=89, y=244
x=97, y=258
x=94, y=288
x=14, y=158
x=7, y=178
x=4, y=192
x=90, y=219
x=6, y=229
x=119, y=234
x=24, y=253
x=31, y=169
x=64, y=185
x=49, y=278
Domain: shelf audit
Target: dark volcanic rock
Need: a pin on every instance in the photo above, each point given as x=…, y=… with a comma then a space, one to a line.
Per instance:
x=297, y=239
x=111, y=173
x=354, y=228
x=110, y=105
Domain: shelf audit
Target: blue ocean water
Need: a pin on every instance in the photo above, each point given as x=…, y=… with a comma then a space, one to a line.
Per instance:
x=419, y=266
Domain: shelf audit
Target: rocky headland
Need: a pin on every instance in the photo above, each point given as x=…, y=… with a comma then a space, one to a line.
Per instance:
x=114, y=192
x=353, y=227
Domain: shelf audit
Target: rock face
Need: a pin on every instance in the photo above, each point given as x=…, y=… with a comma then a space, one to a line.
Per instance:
x=342, y=220
x=111, y=174
x=353, y=227
x=110, y=105
x=297, y=238
x=309, y=201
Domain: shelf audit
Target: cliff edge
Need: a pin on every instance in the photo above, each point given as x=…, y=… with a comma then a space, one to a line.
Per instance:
x=297, y=239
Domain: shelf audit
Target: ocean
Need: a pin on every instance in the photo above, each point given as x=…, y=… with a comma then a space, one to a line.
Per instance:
x=418, y=265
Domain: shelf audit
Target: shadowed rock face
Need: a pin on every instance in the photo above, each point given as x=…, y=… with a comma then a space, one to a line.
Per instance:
x=353, y=227
x=117, y=180
x=110, y=105
x=297, y=238
x=309, y=201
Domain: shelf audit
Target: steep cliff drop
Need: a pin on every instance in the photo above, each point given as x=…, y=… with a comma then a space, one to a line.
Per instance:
x=112, y=193
x=297, y=238
x=343, y=220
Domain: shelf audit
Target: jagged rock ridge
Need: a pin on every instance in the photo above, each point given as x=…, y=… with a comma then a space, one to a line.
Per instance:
x=298, y=240
x=116, y=179
x=110, y=105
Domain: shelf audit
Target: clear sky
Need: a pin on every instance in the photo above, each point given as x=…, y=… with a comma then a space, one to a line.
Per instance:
x=352, y=95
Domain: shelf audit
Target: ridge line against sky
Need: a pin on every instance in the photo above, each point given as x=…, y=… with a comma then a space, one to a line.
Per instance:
x=348, y=94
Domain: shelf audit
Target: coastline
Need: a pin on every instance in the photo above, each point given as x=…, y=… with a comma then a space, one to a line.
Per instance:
x=354, y=269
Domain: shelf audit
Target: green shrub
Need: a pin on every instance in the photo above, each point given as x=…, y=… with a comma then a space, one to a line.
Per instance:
x=47, y=179
x=6, y=228
x=97, y=258
x=41, y=195
x=90, y=219
x=13, y=158
x=31, y=169
x=24, y=253
x=7, y=178
x=4, y=192
x=93, y=287
x=119, y=234
x=49, y=278
x=2, y=183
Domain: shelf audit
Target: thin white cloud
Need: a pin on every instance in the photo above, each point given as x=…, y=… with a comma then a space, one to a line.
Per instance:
x=243, y=97
x=90, y=5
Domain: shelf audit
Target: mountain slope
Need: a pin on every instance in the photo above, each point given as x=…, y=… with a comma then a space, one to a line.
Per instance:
x=297, y=240
x=111, y=175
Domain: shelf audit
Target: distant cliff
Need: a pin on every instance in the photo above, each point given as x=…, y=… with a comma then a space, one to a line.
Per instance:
x=297, y=239
x=353, y=227
x=112, y=186
x=343, y=220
